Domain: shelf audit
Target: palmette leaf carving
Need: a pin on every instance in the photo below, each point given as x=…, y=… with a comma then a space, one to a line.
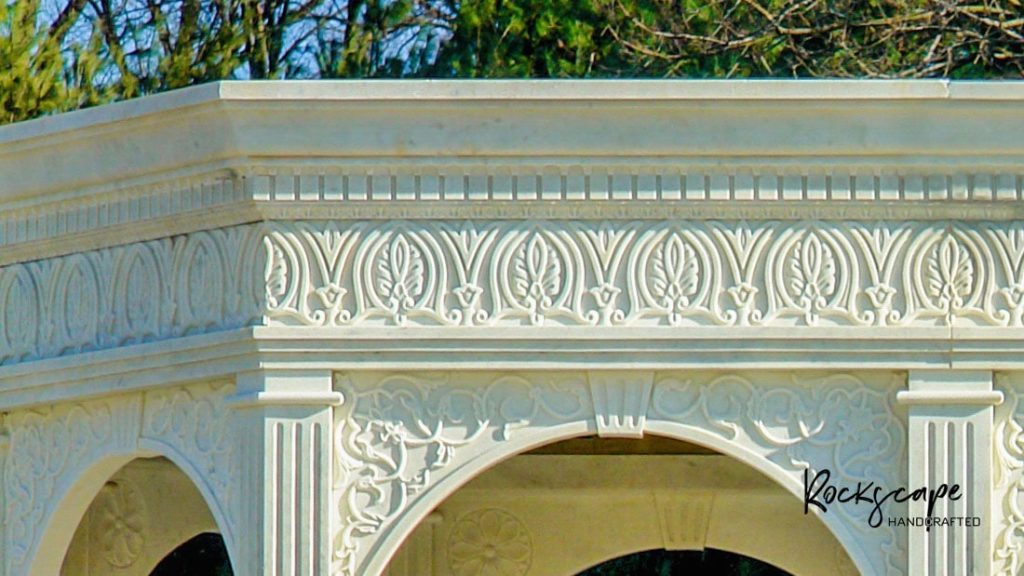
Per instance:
x=509, y=273
x=675, y=273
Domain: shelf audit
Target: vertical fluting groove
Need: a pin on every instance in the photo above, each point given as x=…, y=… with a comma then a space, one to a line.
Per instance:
x=930, y=471
x=316, y=466
x=968, y=490
x=275, y=493
x=952, y=553
x=296, y=504
x=938, y=535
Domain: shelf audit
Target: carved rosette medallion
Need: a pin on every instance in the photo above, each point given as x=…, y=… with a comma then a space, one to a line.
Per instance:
x=122, y=520
x=489, y=542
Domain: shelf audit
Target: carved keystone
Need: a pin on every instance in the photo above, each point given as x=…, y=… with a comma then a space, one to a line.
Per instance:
x=683, y=518
x=620, y=401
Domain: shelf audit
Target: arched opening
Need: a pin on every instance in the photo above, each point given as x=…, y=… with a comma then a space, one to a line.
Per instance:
x=564, y=508
x=709, y=562
x=141, y=514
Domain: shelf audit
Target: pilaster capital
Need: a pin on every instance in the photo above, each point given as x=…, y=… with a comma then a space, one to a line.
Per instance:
x=950, y=388
x=285, y=387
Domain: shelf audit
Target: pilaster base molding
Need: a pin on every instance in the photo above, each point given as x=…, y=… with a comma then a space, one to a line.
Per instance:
x=950, y=430
x=406, y=440
x=285, y=434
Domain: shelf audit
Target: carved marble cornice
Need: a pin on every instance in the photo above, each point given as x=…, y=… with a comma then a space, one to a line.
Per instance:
x=227, y=154
x=585, y=189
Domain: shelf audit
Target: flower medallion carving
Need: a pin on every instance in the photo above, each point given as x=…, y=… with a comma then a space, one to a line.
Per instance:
x=122, y=521
x=489, y=542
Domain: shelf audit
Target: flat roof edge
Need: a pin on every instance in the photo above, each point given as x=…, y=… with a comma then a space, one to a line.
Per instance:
x=632, y=90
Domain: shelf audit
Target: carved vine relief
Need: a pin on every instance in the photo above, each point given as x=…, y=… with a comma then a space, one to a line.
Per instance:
x=398, y=435
x=51, y=447
x=1008, y=476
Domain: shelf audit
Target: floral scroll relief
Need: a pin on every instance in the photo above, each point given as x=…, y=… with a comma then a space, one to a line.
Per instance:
x=1008, y=477
x=195, y=423
x=398, y=434
x=845, y=423
x=673, y=273
x=49, y=448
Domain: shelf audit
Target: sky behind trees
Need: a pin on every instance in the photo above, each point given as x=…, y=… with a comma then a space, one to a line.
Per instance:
x=58, y=55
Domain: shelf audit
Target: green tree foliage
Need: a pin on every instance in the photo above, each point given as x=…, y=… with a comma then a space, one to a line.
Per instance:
x=820, y=38
x=525, y=38
x=59, y=55
x=31, y=68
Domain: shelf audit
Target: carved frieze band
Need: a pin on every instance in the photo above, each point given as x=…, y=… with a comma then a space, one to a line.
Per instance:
x=675, y=273
x=399, y=435
x=509, y=273
x=136, y=293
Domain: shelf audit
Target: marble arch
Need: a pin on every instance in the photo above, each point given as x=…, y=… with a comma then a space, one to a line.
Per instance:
x=609, y=404
x=332, y=304
x=63, y=457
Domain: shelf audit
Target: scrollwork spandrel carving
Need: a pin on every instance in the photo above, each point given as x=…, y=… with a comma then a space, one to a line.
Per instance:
x=398, y=436
x=49, y=448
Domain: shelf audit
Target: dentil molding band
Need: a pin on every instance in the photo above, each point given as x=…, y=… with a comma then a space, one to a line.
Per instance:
x=220, y=196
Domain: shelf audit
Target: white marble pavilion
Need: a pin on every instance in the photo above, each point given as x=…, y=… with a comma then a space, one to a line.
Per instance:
x=516, y=328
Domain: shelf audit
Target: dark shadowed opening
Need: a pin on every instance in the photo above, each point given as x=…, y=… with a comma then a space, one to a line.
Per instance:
x=203, y=555
x=684, y=563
